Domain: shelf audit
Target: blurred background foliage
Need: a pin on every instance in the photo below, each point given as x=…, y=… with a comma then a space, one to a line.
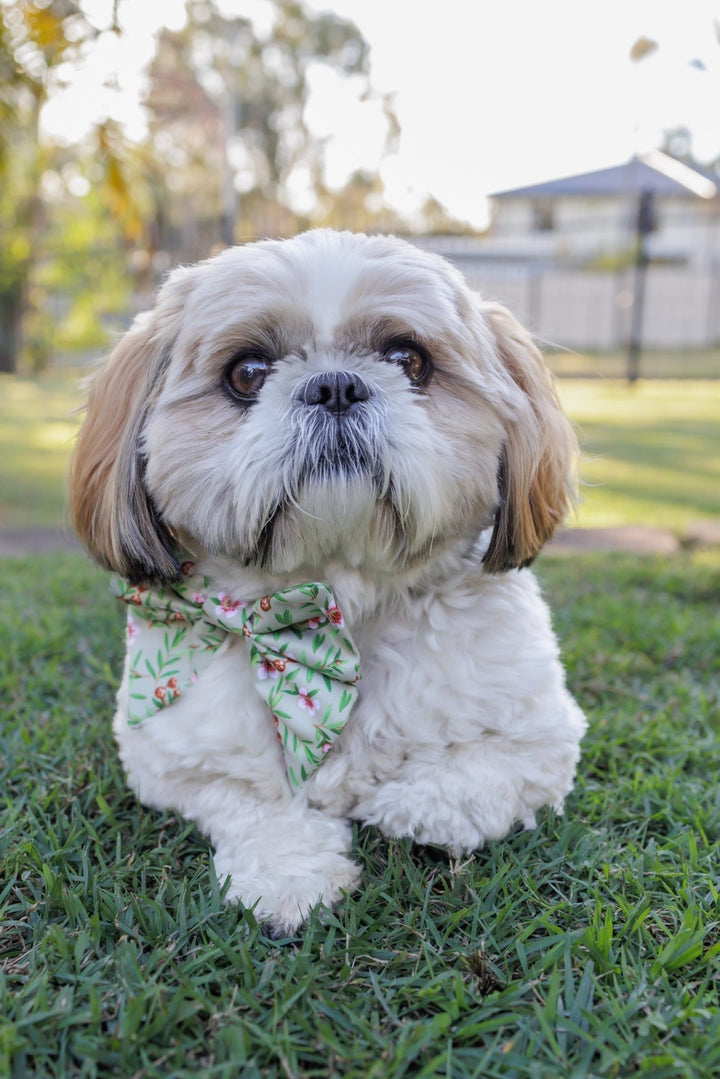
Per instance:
x=88, y=228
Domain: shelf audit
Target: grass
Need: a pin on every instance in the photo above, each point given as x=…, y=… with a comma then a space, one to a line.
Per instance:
x=654, y=363
x=651, y=454
x=38, y=421
x=587, y=948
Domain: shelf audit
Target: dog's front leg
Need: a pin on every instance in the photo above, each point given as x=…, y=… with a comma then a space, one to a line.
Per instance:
x=475, y=792
x=283, y=858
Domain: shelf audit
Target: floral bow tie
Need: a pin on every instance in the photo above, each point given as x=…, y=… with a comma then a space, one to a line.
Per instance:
x=305, y=662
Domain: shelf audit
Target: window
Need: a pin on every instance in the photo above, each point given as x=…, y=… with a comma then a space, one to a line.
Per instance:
x=543, y=215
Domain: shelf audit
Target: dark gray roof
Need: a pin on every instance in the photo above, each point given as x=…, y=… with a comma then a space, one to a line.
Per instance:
x=655, y=172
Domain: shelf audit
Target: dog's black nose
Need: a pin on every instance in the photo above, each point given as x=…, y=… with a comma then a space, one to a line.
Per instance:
x=337, y=391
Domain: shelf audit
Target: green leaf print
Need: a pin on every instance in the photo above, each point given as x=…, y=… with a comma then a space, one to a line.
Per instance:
x=178, y=635
x=308, y=590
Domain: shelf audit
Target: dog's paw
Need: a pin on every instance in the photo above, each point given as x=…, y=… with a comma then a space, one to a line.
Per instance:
x=284, y=898
x=287, y=862
x=446, y=812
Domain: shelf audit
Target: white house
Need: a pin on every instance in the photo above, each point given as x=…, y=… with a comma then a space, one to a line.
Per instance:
x=562, y=255
x=594, y=216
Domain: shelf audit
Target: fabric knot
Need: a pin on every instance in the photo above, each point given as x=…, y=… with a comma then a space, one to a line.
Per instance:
x=305, y=662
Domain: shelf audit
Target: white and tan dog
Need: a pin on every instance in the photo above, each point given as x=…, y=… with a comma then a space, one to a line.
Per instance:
x=341, y=408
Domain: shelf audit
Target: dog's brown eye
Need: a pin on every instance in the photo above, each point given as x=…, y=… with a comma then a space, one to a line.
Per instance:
x=246, y=376
x=414, y=364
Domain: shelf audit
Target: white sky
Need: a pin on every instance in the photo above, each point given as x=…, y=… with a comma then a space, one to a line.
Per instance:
x=490, y=94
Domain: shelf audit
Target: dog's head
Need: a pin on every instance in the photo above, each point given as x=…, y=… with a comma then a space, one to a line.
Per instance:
x=334, y=396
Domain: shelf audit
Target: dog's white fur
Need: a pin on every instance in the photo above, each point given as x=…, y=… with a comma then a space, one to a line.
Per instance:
x=417, y=517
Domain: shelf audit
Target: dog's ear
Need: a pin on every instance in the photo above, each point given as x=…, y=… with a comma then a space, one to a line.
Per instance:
x=112, y=512
x=536, y=475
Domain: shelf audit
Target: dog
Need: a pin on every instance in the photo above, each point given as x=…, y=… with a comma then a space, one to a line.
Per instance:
x=336, y=420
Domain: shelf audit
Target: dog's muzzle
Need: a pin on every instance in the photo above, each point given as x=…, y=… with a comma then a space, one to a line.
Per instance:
x=334, y=391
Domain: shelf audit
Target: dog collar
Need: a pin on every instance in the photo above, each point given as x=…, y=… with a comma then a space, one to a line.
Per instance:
x=304, y=660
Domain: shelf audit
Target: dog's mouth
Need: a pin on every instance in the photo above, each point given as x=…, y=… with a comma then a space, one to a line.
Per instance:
x=331, y=522
x=328, y=447
x=336, y=498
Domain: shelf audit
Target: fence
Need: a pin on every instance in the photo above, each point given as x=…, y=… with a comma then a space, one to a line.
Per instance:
x=585, y=309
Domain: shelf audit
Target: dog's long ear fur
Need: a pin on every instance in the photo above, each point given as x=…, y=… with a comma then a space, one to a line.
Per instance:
x=537, y=472
x=112, y=512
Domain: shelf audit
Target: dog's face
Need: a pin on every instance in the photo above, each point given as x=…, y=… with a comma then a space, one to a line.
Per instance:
x=331, y=397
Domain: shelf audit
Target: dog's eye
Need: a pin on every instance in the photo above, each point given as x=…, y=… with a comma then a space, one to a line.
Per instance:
x=413, y=362
x=246, y=376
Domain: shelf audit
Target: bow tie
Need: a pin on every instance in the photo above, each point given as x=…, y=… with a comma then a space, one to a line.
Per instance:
x=304, y=660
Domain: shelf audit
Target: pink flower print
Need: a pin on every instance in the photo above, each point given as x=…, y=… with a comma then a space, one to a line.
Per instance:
x=313, y=623
x=306, y=702
x=230, y=606
x=132, y=631
x=267, y=669
x=198, y=597
x=326, y=747
x=161, y=692
x=335, y=616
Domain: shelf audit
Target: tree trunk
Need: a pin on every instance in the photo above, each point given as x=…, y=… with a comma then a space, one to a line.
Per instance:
x=10, y=320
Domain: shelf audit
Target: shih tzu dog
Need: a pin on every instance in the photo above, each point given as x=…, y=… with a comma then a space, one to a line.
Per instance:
x=318, y=469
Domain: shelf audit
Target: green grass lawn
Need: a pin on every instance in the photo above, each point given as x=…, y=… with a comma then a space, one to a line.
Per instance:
x=38, y=421
x=651, y=453
x=654, y=363
x=587, y=948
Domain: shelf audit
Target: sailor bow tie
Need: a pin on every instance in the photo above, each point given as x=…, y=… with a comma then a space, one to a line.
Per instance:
x=304, y=660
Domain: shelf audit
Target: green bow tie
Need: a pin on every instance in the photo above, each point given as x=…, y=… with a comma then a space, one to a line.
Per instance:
x=305, y=662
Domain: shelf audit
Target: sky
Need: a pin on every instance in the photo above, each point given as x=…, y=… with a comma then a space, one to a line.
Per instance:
x=490, y=94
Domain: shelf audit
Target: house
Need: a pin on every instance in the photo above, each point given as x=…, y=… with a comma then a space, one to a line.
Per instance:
x=563, y=256
x=593, y=217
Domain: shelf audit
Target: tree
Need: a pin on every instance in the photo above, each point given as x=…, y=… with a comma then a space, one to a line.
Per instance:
x=38, y=41
x=359, y=205
x=34, y=41
x=227, y=104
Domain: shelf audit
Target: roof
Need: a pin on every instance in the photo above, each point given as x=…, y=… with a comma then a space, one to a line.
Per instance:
x=654, y=172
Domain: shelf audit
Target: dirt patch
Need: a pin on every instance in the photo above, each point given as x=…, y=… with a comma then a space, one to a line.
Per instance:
x=633, y=539
x=16, y=542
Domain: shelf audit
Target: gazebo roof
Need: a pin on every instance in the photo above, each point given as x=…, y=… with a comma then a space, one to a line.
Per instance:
x=655, y=172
